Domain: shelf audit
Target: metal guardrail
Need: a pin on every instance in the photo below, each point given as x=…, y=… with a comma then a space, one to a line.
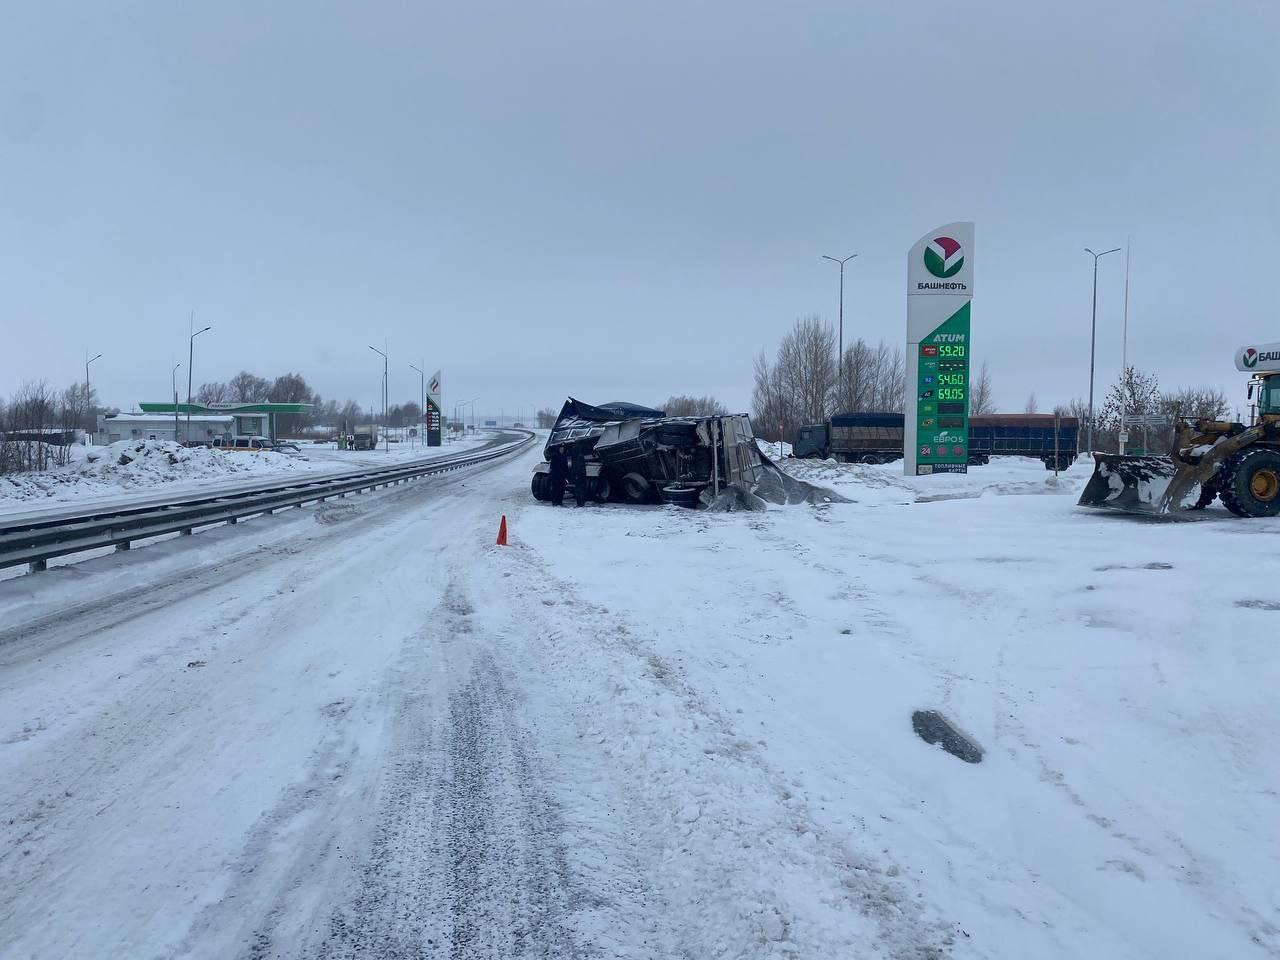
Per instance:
x=36, y=542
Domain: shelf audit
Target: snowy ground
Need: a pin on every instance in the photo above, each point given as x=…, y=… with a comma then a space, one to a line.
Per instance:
x=129, y=469
x=363, y=730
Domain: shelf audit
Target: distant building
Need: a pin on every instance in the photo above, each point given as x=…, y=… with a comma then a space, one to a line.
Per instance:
x=250, y=419
x=203, y=429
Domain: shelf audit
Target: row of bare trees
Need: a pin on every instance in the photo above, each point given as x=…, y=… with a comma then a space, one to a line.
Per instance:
x=806, y=382
x=37, y=419
x=1137, y=393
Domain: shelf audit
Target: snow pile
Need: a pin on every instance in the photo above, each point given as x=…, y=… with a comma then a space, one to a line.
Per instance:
x=128, y=465
x=885, y=483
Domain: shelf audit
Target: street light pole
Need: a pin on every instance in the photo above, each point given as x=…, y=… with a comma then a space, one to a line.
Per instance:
x=173, y=382
x=840, y=361
x=422, y=389
x=191, y=354
x=386, y=440
x=1093, y=333
x=87, y=404
x=1124, y=348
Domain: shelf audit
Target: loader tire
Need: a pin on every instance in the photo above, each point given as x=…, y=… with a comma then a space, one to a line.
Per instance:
x=1251, y=483
x=1208, y=493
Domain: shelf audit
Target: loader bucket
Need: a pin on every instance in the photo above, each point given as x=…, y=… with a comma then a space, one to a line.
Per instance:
x=1130, y=484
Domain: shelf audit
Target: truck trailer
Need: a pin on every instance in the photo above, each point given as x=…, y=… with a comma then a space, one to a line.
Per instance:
x=876, y=437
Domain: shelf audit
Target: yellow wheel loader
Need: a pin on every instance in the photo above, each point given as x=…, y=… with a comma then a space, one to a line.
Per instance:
x=1238, y=464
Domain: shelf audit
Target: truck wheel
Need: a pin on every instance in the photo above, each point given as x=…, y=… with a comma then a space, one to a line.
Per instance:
x=538, y=486
x=1252, y=487
x=600, y=489
x=680, y=496
x=636, y=488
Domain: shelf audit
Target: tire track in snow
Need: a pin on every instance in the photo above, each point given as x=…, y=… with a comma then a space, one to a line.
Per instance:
x=466, y=859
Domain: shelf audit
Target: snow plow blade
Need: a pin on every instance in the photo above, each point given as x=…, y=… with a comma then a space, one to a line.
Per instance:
x=1130, y=484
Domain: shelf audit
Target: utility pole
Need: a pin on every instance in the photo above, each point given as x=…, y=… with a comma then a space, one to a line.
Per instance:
x=88, y=404
x=1093, y=335
x=1124, y=345
x=386, y=439
x=191, y=354
x=840, y=361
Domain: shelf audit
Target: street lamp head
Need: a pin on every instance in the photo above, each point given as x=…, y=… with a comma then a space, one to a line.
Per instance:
x=98, y=357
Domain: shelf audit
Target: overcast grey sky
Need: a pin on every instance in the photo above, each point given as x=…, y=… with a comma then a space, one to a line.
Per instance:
x=624, y=200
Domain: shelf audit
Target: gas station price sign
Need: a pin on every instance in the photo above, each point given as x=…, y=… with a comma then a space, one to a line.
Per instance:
x=942, y=398
x=935, y=429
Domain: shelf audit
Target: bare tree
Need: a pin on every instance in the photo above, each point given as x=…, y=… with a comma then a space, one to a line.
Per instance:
x=34, y=417
x=547, y=418
x=890, y=376
x=291, y=388
x=1195, y=403
x=216, y=392
x=1077, y=409
x=1032, y=406
x=766, y=410
x=873, y=379
x=981, y=398
x=248, y=388
x=1135, y=393
x=682, y=406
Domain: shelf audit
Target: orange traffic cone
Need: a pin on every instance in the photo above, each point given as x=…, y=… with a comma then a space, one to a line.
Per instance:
x=502, y=532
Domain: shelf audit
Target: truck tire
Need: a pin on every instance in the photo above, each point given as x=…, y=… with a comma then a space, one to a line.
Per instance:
x=1250, y=486
x=636, y=489
x=680, y=496
x=538, y=487
x=600, y=489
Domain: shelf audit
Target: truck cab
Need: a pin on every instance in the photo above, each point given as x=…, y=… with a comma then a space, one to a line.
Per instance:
x=811, y=441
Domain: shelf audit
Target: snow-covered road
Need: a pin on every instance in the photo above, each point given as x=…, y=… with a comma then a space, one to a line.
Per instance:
x=362, y=730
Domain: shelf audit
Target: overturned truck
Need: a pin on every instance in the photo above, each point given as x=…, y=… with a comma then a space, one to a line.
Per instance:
x=637, y=454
